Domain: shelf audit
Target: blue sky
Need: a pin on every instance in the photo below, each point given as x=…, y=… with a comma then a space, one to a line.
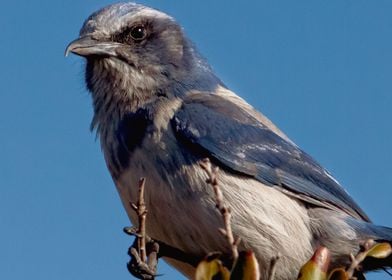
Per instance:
x=321, y=70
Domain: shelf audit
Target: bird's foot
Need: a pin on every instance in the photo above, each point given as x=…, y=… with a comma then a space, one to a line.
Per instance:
x=142, y=269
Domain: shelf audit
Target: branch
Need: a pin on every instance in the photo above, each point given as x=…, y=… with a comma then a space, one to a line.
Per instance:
x=272, y=268
x=140, y=209
x=359, y=258
x=143, y=263
x=223, y=209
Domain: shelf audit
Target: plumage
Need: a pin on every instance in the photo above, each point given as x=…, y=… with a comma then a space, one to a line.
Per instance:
x=243, y=144
x=159, y=109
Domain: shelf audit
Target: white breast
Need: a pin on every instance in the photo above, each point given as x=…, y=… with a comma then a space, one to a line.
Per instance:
x=182, y=213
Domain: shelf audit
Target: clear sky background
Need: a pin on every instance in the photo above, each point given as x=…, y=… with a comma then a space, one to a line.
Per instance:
x=321, y=70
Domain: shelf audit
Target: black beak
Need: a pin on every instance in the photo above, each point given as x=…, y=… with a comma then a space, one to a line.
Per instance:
x=86, y=46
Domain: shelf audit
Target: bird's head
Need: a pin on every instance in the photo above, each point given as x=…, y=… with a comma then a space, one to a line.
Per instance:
x=136, y=50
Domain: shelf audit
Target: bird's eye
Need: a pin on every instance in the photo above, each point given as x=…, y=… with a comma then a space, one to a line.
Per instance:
x=138, y=33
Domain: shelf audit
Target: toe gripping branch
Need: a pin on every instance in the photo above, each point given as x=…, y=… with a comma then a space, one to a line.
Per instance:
x=142, y=265
x=144, y=255
x=145, y=251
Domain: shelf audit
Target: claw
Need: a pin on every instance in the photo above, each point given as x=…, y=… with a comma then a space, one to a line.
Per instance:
x=138, y=268
x=130, y=230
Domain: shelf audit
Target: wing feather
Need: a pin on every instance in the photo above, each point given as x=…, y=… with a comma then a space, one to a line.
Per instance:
x=230, y=135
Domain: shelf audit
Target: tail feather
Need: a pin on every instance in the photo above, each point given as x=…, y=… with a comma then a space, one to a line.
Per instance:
x=366, y=231
x=372, y=264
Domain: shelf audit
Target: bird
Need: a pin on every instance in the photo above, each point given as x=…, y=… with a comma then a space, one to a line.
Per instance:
x=159, y=110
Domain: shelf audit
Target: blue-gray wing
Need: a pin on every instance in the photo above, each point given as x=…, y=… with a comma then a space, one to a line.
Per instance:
x=228, y=134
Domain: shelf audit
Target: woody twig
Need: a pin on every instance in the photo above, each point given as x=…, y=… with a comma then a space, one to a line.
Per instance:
x=225, y=211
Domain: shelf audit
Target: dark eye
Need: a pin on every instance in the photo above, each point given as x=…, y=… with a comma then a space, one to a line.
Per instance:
x=138, y=33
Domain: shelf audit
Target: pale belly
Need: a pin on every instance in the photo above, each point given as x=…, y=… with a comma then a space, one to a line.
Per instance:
x=182, y=213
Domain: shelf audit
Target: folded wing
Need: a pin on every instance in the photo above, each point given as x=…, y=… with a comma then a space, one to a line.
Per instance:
x=230, y=135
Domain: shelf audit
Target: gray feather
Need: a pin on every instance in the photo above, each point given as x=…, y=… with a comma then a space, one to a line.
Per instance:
x=243, y=144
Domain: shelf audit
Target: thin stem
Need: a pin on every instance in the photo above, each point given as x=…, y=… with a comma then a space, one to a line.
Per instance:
x=225, y=211
x=141, y=211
